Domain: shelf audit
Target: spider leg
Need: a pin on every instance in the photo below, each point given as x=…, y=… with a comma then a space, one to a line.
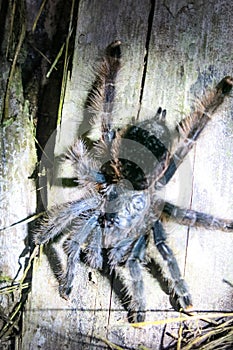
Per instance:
x=101, y=98
x=86, y=168
x=194, y=218
x=60, y=217
x=179, y=287
x=94, y=249
x=191, y=127
x=72, y=247
x=135, y=286
x=119, y=251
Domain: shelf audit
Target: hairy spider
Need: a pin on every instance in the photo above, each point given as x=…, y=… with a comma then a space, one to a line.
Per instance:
x=120, y=178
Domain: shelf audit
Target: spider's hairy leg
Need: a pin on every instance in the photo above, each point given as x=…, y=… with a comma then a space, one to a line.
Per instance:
x=101, y=98
x=85, y=166
x=119, y=251
x=134, y=285
x=60, y=218
x=94, y=256
x=179, y=287
x=190, y=217
x=191, y=127
x=72, y=247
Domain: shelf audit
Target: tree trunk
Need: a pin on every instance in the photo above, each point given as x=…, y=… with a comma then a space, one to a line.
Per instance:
x=17, y=187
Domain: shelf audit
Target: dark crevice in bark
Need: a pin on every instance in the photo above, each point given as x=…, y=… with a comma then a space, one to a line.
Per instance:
x=3, y=17
x=42, y=47
x=147, y=44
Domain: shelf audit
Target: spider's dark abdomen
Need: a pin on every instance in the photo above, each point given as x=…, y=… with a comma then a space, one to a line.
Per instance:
x=146, y=145
x=142, y=148
x=147, y=139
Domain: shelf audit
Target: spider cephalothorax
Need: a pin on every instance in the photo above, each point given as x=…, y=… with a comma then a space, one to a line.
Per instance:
x=120, y=177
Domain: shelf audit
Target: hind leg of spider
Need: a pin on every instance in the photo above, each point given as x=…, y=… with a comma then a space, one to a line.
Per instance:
x=94, y=250
x=131, y=276
x=72, y=247
x=190, y=217
x=136, y=286
x=179, y=288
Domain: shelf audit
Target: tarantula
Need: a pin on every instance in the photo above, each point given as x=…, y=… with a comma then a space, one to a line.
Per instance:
x=120, y=178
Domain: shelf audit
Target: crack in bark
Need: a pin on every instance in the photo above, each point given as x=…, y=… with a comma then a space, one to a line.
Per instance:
x=147, y=44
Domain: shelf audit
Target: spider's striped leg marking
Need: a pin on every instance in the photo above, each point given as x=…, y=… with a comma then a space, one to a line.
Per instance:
x=191, y=127
x=179, y=287
x=194, y=218
x=135, y=285
x=113, y=57
x=100, y=102
x=72, y=247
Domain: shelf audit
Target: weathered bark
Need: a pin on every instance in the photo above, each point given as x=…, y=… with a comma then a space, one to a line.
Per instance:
x=17, y=162
x=184, y=47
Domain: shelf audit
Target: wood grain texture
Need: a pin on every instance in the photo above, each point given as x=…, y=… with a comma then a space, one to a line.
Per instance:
x=17, y=201
x=189, y=47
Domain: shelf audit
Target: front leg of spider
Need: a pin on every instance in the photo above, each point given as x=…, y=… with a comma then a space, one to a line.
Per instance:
x=192, y=126
x=178, y=286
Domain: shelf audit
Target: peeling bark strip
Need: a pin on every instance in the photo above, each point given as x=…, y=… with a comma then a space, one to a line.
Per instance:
x=179, y=64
